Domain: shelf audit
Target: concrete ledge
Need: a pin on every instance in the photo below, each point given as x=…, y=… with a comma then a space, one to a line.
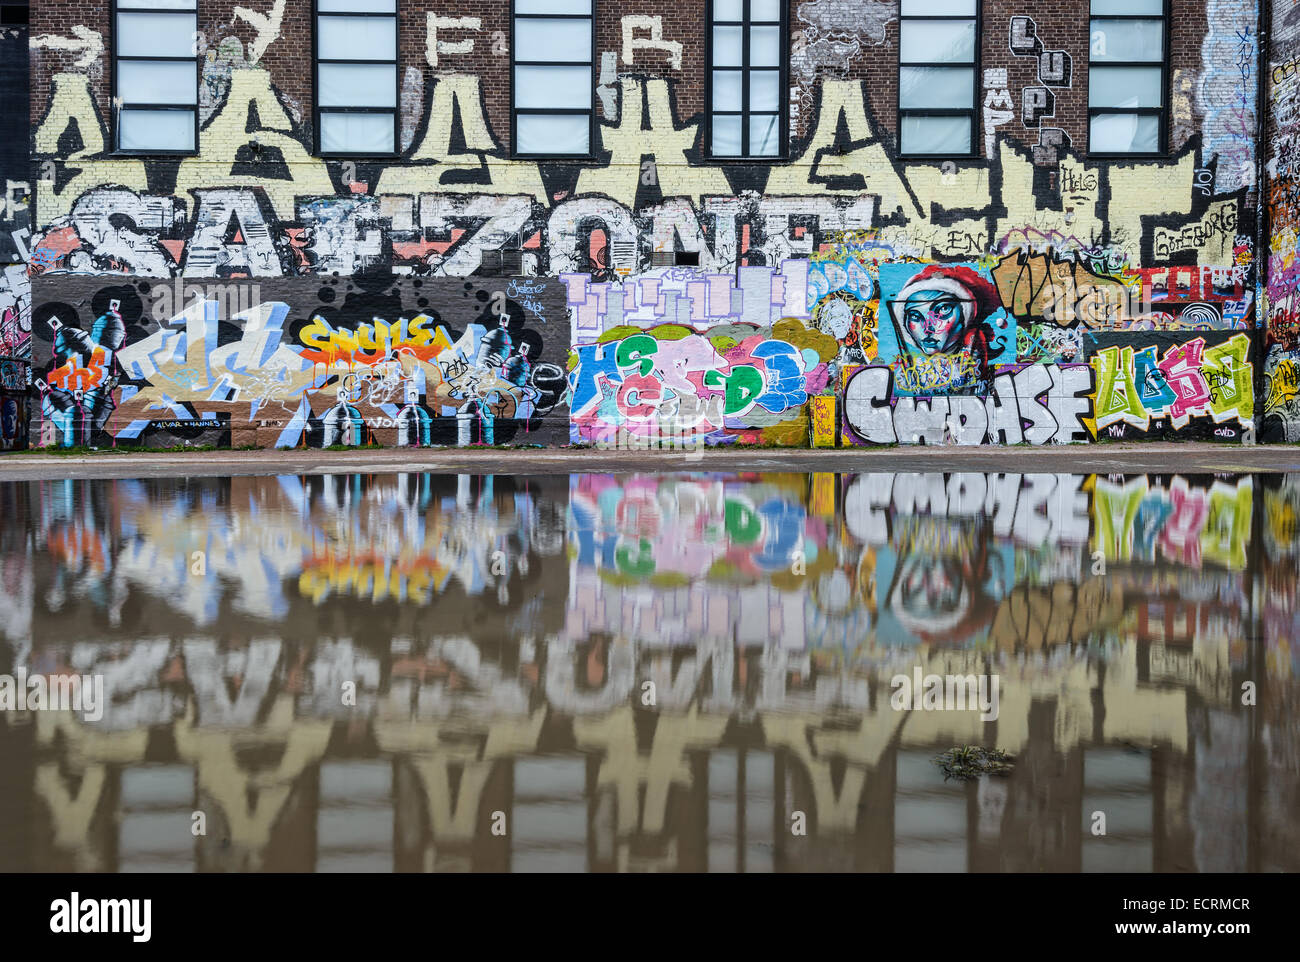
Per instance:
x=1136, y=458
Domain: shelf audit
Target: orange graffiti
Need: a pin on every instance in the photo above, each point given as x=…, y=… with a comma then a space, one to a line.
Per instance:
x=73, y=377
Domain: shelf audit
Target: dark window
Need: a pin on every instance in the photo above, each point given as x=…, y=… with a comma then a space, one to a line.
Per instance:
x=356, y=77
x=938, y=54
x=156, y=76
x=747, y=89
x=1126, y=77
x=552, y=57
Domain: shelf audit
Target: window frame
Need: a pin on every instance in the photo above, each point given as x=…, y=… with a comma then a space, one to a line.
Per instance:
x=782, y=154
x=1161, y=112
x=591, y=153
x=116, y=107
x=9, y=6
x=317, y=109
x=976, y=72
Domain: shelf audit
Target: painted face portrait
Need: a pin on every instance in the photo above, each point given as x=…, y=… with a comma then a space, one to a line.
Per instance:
x=945, y=581
x=836, y=319
x=931, y=594
x=941, y=328
x=935, y=319
x=938, y=310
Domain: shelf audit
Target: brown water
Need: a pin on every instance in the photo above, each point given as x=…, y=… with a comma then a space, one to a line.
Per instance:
x=652, y=673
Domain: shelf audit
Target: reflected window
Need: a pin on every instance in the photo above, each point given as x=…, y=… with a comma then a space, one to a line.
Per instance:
x=1126, y=77
x=356, y=77
x=747, y=78
x=1119, y=782
x=938, y=48
x=931, y=817
x=552, y=78
x=155, y=76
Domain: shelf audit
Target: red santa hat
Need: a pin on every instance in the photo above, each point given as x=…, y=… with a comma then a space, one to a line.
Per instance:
x=961, y=282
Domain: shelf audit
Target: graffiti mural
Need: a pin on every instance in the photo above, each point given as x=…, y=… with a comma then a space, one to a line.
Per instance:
x=942, y=328
x=1029, y=404
x=15, y=239
x=1156, y=386
x=1280, y=407
x=294, y=364
x=737, y=385
x=686, y=357
x=15, y=313
x=14, y=417
x=843, y=255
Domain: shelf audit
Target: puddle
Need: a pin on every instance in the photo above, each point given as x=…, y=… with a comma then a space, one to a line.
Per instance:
x=653, y=672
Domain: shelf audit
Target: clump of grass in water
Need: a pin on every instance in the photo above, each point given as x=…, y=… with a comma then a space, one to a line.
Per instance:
x=971, y=761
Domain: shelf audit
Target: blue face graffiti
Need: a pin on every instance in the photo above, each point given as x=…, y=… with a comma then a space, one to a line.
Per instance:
x=934, y=320
x=945, y=328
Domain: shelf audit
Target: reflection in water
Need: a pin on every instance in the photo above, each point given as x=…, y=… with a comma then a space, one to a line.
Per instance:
x=651, y=672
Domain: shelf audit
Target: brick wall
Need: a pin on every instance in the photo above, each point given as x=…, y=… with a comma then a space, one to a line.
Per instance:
x=1062, y=24
x=1089, y=273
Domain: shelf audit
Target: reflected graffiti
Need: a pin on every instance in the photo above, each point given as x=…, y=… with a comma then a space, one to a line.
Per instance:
x=767, y=612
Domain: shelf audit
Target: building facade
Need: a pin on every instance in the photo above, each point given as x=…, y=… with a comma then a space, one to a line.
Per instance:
x=15, y=230
x=552, y=222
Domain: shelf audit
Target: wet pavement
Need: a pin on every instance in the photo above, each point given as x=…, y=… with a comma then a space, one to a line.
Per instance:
x=653, y=672
x=1101, y=458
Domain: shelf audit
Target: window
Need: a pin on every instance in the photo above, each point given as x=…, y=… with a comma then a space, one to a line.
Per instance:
x=553, y=82
x=155, y=76
x=356, y=77
x=938, y=51
x=1126, y=77
x=747, y=78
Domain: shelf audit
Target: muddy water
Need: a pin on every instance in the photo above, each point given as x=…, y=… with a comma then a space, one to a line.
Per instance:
x=652, y=673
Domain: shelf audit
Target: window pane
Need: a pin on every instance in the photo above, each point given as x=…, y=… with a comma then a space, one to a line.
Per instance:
x=1124, y=134
x=727, y=46
x=936, y=135
x=155, y=35
x=553, y=87
x=765, y=46
x=938, y=8
x=765, y=11
x=156, y=4
x=357, y=38
x=937, y=41
x=560, y=40
x=1127, y=40
x=157, y=82
x=553, y=6
x=1124, y=87
x=155, y=130
x=936, y=87
x=356, y=6
x=764, y=135
x=553, y=134
x=729, y=10
x=356, y=133
x=726, y=137
x=726, y=89
x=1132, y=7
x=357, y=85
x=765, y=90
